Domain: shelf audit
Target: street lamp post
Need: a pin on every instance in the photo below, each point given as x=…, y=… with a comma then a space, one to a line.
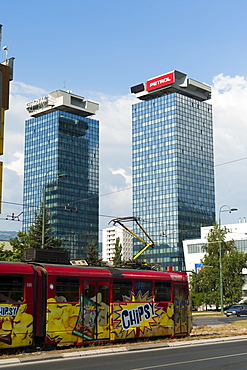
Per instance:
x=44, y=207
x=220, y=254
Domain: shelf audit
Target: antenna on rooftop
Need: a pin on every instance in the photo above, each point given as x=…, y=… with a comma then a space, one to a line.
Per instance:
x=6, y=51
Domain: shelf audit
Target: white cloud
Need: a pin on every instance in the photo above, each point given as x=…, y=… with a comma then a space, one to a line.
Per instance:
x=122, y=172
x=115, y=128
x=15, y=117
x=230, y=137
x=22, y=89
x=16, y=165
x=230, y=133
x=115, y=156
x=115, y=149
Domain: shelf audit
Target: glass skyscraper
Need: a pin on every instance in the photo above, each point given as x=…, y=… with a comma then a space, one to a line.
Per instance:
x=61, y=168
x=173, y=164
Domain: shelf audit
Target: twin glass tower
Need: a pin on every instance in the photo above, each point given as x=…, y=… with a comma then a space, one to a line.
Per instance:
x=61, y=168
x=173, y=164
x=172, y=161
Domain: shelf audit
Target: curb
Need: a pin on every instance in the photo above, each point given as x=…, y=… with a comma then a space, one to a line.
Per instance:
x=28, y=359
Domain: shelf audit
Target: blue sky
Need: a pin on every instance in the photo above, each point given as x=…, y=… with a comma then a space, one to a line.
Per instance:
x=99, y=49
x=109, y=45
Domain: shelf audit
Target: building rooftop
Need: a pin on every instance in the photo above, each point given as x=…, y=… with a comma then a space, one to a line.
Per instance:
x=169, y=83
x=64, y=101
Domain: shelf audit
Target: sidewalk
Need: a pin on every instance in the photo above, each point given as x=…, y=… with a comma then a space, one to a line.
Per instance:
x=104, y=351
x=212, y=313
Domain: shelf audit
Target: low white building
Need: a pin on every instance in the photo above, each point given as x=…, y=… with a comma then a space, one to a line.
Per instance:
x=6, y=245
x=110, y=236
x=193, y=252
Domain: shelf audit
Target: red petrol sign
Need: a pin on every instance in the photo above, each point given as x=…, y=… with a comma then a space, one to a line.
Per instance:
x=157, y=82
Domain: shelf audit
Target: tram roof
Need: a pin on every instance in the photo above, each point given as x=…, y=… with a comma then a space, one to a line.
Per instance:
x=112, y=272
x=16, y=268
x=22, y=268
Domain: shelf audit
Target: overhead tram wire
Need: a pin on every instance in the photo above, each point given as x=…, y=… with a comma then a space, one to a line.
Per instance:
x=76, y=201
x=236, y=160
x=12, y=203
x=117, y=191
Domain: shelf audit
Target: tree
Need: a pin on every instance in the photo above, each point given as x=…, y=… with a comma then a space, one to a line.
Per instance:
x=30, y=239
x=92, y=254
x=18, y=243
x=117, y=259
x=205, y=286
x=35, y=233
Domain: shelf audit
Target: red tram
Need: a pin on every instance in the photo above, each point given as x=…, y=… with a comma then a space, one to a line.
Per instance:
x=44, y=304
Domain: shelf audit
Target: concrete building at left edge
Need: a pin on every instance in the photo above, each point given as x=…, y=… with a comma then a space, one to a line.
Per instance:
x=61, y=168
x=6, y=75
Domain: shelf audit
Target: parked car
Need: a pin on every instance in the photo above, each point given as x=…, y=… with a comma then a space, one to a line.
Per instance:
x=236, y=309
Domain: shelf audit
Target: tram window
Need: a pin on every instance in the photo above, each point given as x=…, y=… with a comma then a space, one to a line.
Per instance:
x=103, y=289
x=89, y=291
x=120, y=290
x=67, y=290
x=180, y=292
x=103, y=300
x=162, y=291
x=11, y=289
x=143, y=287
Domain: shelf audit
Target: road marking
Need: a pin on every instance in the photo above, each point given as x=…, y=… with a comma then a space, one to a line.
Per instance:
x=188, y=362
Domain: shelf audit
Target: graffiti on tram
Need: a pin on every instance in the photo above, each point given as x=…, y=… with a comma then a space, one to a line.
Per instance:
x=16, y=326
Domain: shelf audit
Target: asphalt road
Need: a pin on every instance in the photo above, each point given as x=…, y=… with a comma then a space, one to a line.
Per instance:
x=231, y=355
x=216, y=320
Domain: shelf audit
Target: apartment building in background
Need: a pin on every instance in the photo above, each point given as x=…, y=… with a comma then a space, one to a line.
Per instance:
x=110, y=236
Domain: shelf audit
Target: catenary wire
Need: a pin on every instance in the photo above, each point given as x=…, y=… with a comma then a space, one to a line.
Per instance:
x=117, y=191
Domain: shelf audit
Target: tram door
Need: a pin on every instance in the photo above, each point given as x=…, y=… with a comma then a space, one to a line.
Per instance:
x=96, y=310
x=180, y=308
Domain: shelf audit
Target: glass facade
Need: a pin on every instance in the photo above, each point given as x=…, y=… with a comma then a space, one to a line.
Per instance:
x=173, y=174
x=57, y=144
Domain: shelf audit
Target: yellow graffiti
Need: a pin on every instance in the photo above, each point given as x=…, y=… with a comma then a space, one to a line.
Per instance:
x=159, y=324
x=16, y=331
x=61, y=320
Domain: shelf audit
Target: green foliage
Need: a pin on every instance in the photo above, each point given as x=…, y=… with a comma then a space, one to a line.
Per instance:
x=35, y=233
x=30, y=239
x=205, y=286
x=18, y=243
x=117, y=259
x=196, y=299
x=92, y=254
